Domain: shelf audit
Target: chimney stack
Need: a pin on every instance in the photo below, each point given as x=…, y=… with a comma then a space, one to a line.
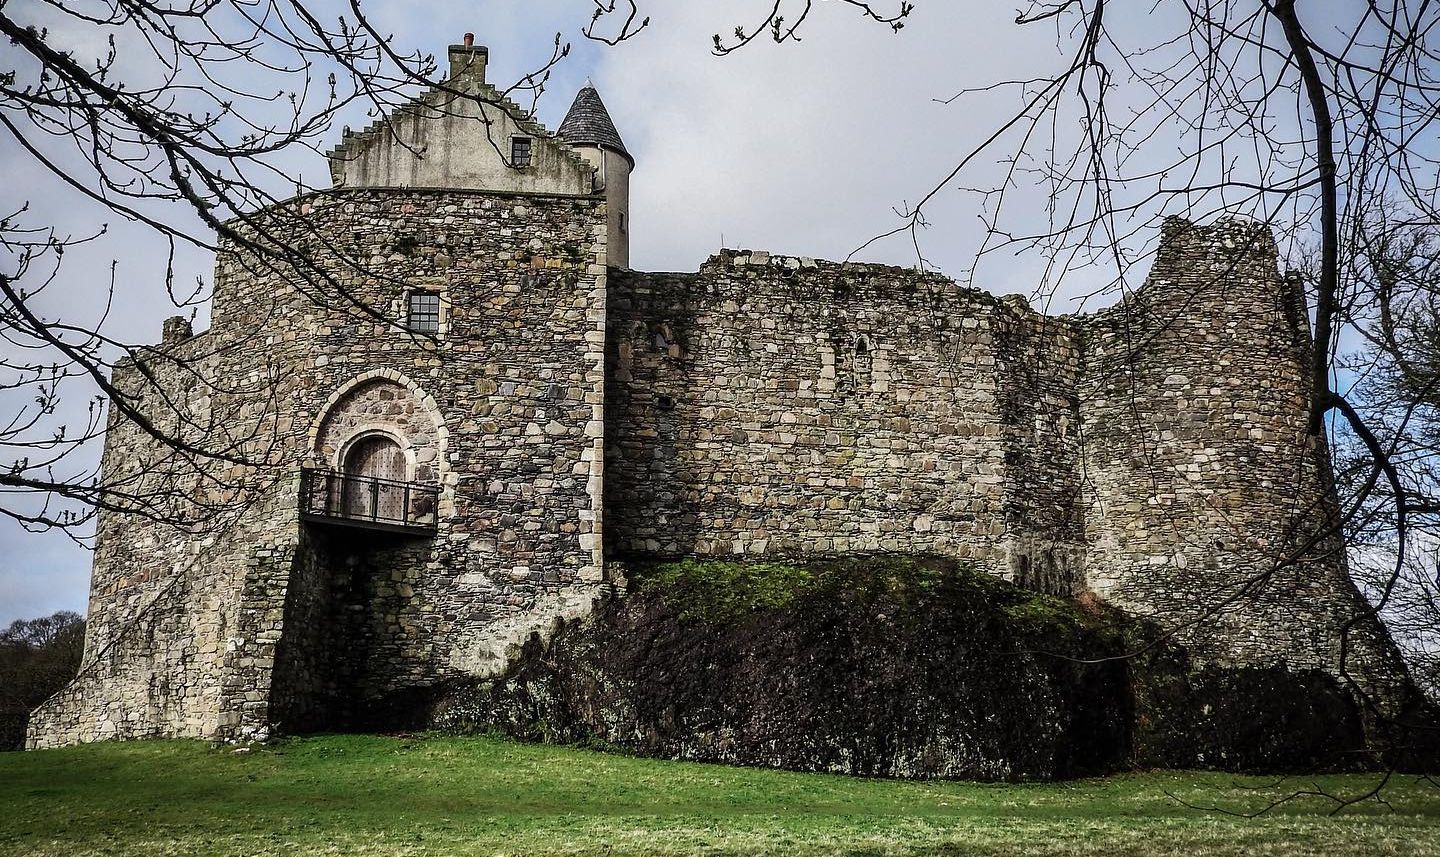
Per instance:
x=467, y=60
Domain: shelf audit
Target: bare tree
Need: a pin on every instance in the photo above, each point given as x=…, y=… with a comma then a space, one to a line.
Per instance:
x=1318, y=120
x=37, y=658
x=187, y=123
x=1299, y=115
x=1392, y=304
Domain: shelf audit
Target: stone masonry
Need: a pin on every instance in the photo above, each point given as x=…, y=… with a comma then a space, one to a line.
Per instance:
x=572, y=415
x=1153, y=454
x=502, y=411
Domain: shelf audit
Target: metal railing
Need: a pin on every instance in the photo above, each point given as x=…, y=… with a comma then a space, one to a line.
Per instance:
x=367, y=501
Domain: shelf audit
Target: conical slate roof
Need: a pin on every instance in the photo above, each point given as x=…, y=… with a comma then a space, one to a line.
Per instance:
x=588, y=123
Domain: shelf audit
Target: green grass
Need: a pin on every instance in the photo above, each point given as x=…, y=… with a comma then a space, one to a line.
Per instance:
x=352, y=795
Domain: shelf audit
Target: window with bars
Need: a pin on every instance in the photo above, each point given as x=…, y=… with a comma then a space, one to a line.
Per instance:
x=520, y=151
x=424, y=312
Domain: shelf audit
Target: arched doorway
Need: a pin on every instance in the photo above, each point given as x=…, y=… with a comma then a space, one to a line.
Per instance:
x=373, y=467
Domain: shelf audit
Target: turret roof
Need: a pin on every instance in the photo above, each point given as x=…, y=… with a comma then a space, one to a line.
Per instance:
x=588, y=123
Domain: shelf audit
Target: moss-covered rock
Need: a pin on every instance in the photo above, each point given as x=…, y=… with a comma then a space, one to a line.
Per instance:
x=894, y=667
x=1244, y=719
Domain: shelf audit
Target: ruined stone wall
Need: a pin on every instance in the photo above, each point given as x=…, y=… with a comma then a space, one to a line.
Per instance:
x=1153, y=453
x=503, y=410
x=774, y=406
x=1206, y=505
x=168, y=578
x=1037, y=363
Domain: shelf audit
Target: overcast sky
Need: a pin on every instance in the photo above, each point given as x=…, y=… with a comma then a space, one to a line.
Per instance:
x=804, y=148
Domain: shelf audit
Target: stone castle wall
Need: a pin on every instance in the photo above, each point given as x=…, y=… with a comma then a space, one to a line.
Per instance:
x=775, y=406
x=1207, y=503
x=1152, y=454
x=128, y=628
x=503, y=410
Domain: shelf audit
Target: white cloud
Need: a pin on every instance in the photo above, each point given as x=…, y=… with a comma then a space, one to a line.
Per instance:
x=803, y=147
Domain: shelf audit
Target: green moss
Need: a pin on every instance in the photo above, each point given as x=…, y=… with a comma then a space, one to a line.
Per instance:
x=1033, y=613
x=723, y=592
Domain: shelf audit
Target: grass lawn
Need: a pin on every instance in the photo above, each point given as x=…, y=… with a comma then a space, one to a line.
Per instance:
x=355, y=795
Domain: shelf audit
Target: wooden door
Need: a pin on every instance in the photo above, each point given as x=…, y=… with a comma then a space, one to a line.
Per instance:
x=371, y=465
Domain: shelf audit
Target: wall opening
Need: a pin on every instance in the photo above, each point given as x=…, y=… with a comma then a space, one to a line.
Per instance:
x=864, y=364
x=375, y=457
x=520, y=151
x=348, y=656
x=423, y=312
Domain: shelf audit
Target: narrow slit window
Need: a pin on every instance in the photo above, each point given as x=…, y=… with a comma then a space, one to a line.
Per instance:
x=424, y=314
x=864, y=362
x=520, y=151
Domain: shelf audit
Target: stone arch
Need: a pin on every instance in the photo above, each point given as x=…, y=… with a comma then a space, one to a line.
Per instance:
x=385, y=402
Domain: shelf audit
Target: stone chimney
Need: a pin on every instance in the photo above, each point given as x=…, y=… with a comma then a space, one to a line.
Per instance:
x=177, y=329
x=467, y=61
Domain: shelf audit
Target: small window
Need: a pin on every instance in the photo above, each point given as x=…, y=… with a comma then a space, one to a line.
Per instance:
x=519, y=151
x=424, y=314
x=864, y=364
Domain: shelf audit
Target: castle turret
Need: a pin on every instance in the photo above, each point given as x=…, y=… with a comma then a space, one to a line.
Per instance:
x=589, y=130
x=1209, y=506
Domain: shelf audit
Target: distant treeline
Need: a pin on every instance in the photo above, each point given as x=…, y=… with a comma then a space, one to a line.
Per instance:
x=37, y=658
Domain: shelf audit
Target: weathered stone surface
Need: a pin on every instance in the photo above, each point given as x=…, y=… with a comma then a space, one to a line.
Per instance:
x=757, y=409
x=1153, y=454
x=899, y=668
x=1207, y=505
x=459, y=136
x=254, y=620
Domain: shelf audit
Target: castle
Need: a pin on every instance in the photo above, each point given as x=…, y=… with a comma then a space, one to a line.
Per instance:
x=462, y=439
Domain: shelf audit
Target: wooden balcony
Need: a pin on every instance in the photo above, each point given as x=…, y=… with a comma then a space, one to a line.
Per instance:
x=367, y=502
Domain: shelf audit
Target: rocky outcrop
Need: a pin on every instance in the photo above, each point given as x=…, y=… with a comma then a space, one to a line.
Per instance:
x=905, y=668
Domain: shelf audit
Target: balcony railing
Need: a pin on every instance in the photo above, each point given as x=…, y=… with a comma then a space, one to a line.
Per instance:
x=366, y=501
